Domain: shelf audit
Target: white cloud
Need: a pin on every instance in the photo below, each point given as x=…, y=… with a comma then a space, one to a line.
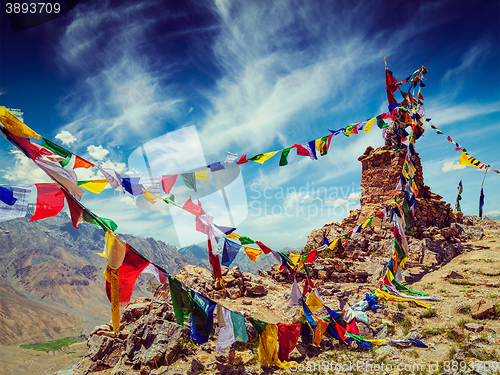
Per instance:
x=24, y=170
x=452, y=166
x=493, y=213
x=97, y=152
x=66, y=137
x=120, y=168
x=127, y=200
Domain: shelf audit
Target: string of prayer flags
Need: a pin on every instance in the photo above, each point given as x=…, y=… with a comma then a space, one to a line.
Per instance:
x=19, y=202
x=189, y=180
x=49, y=201
x=15, y=126
x=94, y=186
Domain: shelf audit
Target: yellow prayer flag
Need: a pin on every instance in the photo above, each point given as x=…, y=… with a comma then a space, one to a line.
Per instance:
x=113, y=279
x=296, y=258
x=320, y=145
x=389, y=297
x=321, y=327
x=15, y=126
x=414, y=187
x=268, y=351
x=369, y=125
x=95, y=186
x=114, y=250
x=264, y=157
x=313, y=302
x=202, y=175
x=252, y=253
x=332, y=245
x=233, y=236
x=466, y=159
x=376, y=341
x=150, y=197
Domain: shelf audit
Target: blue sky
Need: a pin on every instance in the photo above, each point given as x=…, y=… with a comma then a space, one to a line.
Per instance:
x=255, y=77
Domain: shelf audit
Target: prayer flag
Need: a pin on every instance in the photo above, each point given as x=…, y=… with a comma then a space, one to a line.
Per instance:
x=82, y=163
x=167, y=182
x=264, y=248
x=252, y=253
x=261, y=158
x=288, y=335
x=213, y=257
x=230, y=158
x=7, y=195
x=32, y=150
x=243, y=160
x=284, y=156
x=229, y=252
x=132, y=186
x=481, y=203
x=49, y=201
x=16, y=126
x=132, y=266
x=246, y=240
x=226, y=333
x=202, y=317
x=18, y=208
x=94, y=186
x=195, y=209
x=202, y=175
x=114, y=179
x=215, y=167
x=189, y=180
x=181, y=301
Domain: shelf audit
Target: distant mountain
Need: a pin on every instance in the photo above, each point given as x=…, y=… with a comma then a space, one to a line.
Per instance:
x=196, y=253
x=50, y=269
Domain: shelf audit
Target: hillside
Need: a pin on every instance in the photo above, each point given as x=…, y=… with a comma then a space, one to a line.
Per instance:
x=51, y=278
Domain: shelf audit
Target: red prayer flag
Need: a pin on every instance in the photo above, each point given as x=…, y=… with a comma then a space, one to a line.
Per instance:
x=132, y=266
x=32, y=150
x=168, y=181
x=288, y=335
x=82, y=163
x=308, y=285
x=49, y=201
x=263, y=247
x=340, y=331
x=214, y=261
x=390, y=84
x=310, y=256
x=195, y=209
x=242, y=160
x=75, y=210
x=301, y=150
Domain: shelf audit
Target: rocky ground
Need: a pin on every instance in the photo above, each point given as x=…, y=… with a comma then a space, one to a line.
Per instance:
x=462, y=329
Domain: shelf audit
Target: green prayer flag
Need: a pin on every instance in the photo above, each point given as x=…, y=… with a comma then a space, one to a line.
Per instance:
x=182, y=302
x=171, y=199
x=284, y=156
x=323, y=150
x=246, y=240
x=381, y=123
x=189, y=180
x=401, y=287
x=258, y=325
x=58, y=150
x=399, y=250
